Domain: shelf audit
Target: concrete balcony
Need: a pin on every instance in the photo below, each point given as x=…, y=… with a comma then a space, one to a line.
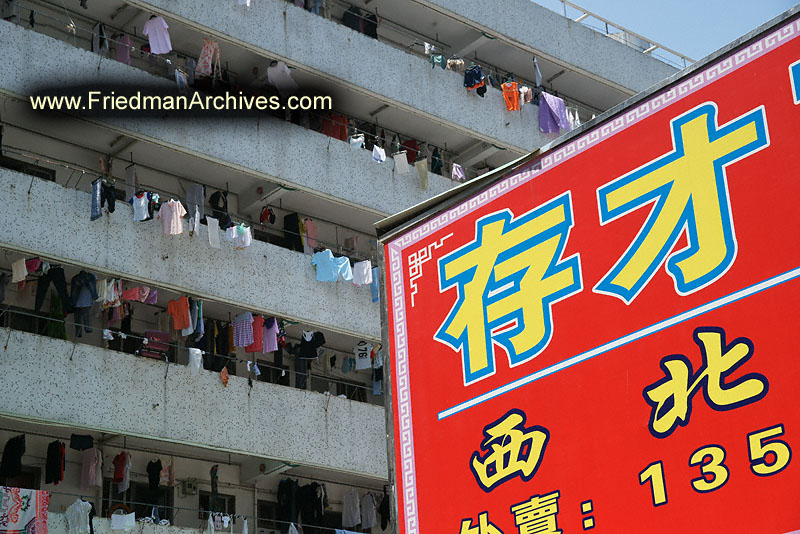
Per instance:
x=274, y=150
x=263, y=278
x=275, y=28
x=560, y=40
x=87, y=387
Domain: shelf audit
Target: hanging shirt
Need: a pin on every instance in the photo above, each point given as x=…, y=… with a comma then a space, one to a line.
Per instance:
x=195, y=196
x=351, y=510
x=78, y=517
x=280, y=76
x=124, y=50
x=368, y=516
x=258, y=335
x=311, y=233
x=270, y=340
x=153, y=473
x=179, y=310
x=119, y=467
x=89, y=466
x=362, y=273
x=378, y=154
x=511, y=96
x=11, y=464
x=123, y=486
x=362, y=353
x=552, y=114
x=140, y=202
x=156, y=30
x=335, y=126
x=412, y=149
x=243, y=330
x=171, y=214
x=329, y=268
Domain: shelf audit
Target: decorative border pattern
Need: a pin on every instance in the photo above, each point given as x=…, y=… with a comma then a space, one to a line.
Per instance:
x=419, y=258
x=631, y=117
x=403, y=398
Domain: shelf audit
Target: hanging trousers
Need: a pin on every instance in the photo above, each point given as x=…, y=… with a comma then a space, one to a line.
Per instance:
x=55, y=275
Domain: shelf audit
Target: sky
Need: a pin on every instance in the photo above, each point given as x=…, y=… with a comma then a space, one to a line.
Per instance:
x=695, y=28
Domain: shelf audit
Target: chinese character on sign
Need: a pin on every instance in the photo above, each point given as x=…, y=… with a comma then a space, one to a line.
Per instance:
x=512, y=450
x=507, y=280
x=537, y=515
x=689, y=191
x=671, y=397
x=484, y=526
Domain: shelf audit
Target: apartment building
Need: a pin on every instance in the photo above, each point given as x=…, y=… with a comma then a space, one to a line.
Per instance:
x=253, y=438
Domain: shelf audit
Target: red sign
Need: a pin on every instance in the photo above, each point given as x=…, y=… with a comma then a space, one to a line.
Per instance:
x=606, y=337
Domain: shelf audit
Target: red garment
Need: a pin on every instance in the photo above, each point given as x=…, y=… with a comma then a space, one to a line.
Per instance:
x=335, y=126
x=258, y=335
x=179, y=310
x=411, y=149
x=511, y=96
x=131, y=294
x=119, y=467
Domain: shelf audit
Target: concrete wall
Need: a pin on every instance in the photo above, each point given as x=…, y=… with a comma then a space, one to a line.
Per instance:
x=277, y=28
x=561, y=39
x=103, y=390
x=263, y=278
x=275, y=150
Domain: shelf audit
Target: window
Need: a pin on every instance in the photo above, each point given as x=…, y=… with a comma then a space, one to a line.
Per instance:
x=24, y=321
x=225, y=504
x=28, y=478
x=272, y=374
x=267, y=514
x=28, y=168
x=353, y=391
x=139, y=499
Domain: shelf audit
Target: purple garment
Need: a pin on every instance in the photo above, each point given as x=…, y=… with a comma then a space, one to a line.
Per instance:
x=243, y=330
x=152, y=297
x=270, y=335
x=552, y=114
x=124, y=50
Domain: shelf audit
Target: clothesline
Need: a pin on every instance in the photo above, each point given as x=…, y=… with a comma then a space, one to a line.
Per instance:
x=172, y=456
x=176, y=346
x=443, y=150
x=353, y=254
x=142, y=40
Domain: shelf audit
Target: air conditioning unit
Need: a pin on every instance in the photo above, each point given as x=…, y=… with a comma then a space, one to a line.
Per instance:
x=189, y=487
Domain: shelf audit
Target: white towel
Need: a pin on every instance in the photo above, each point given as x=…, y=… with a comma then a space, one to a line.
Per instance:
x=18, y=271
x=401, y=162
x=213, y=232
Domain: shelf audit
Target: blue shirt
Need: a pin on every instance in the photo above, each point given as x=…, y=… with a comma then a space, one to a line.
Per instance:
x=329, y=268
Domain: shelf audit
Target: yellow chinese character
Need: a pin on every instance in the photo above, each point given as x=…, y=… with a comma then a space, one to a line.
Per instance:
x=507, y=280
x=689, y=191
x=671, y=397
x=512, y=450
x=537, y=515
x=484, y=527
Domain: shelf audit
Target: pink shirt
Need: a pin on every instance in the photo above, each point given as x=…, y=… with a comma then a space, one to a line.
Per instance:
x=170, y=215
x=156, y=30
x=270, y=336
x=311, y=233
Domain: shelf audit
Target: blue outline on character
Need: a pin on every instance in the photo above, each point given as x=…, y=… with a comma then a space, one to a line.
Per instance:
x=794, y=80
x=460, y=280
x=687, y=218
